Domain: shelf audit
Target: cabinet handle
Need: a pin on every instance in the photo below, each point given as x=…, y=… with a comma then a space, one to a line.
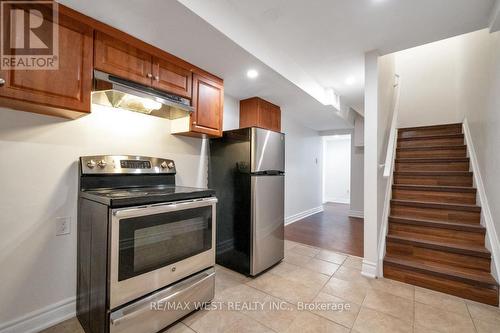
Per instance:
x=157, y=78
x=2, y=82
x=149, y=75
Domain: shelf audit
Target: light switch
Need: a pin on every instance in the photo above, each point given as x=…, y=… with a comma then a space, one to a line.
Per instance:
x=63, y=226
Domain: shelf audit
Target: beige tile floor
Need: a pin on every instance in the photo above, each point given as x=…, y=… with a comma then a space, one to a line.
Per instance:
x=311, y=275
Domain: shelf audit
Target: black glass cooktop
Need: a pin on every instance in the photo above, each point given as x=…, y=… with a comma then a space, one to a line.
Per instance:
x=120, y=197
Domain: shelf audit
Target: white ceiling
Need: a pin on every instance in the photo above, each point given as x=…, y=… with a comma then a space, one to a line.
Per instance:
x=327, y=39
x=299, y=47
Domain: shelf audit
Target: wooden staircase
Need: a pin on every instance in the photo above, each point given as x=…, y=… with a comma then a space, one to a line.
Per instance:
x=435, y=239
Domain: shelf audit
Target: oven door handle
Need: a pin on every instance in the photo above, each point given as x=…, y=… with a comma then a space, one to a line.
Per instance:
x=164, y=207
x=173, y=292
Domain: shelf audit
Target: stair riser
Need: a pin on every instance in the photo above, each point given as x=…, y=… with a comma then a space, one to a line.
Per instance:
x=430, y=131
x=465, y=181
x=455, y=236
x=460, y=153
x=400, y=250
x=468, y=198
x=437, y=166
x=425, y=213
x=457, y=288
x=431, y=142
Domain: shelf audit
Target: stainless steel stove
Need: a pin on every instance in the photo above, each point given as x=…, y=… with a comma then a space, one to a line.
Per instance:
x=141, y=240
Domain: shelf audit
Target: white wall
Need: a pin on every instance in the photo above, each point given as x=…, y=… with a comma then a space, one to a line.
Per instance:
x=479, y=93
x=379, y=92
x=429, y=76
x=337, y=169
x=303, y=183
x=370, y=192
x=231, y=118
x=39, y=177
x=386, y=79
x=357, y=180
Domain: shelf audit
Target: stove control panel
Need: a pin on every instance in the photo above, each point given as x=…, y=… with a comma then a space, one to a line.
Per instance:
x=126, y=164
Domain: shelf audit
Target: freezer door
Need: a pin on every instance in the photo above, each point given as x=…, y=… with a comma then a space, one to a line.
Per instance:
x=268, y=150
x=268, y=222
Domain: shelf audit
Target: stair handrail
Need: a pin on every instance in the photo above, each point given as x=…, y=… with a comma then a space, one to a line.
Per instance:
x=393, y=135
x=388, y=167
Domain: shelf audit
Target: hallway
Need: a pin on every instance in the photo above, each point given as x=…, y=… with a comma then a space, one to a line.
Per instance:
x=332, y=229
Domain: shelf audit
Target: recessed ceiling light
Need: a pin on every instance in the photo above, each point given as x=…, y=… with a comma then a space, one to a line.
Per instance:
x=252, y=73
x=350, y=80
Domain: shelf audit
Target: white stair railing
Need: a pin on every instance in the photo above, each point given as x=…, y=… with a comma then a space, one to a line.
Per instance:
x=388, y=173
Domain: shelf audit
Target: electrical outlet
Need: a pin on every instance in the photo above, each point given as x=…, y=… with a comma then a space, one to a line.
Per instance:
x=63, y=226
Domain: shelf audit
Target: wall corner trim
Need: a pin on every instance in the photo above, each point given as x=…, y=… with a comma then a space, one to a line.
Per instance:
x=357, y=213
x=41, y=319
x=495, y=18
x=299, y=216
x=369, y=269
x=491, y=232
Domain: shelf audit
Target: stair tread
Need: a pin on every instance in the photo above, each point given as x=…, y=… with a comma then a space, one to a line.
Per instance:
x=438, y=224
x=452, y=147
x=463, y=207
x=437, y=188
x=431, y=159
x=431, y=137
x=472, y=276
x=434, y=173
x=443, y=244
x=429, y=127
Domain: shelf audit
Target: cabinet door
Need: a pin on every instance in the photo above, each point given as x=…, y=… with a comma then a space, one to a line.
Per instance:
x=171, y=78
x=67, y=88
x=121, y=59
x=265, y=115
x=269, y=116
x=208, y=102
x=276, y=118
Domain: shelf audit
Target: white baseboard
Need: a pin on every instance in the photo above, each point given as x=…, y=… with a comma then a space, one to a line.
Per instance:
x=369, y=269
x=493, y=243
x=345, y=201
x=301, y=215
x=39, y=320
x=357, y=213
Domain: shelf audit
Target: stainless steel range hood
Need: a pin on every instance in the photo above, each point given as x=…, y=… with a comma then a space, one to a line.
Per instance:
x=113, y=91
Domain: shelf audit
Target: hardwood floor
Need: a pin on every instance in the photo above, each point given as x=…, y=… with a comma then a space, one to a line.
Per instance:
x=332, y=229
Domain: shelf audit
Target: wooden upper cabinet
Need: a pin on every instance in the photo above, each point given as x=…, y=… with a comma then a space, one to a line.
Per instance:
x=124, y=60
x=172, y=78
x=260, y=113
x=63, y=92
x=86, y=44
x=208, y=102
x=116, y=57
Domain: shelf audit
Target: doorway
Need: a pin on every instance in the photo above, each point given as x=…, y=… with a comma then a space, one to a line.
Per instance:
x=337, y=169
x=334, y=228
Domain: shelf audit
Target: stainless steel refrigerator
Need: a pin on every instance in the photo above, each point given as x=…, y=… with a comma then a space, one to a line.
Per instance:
x=247, y=171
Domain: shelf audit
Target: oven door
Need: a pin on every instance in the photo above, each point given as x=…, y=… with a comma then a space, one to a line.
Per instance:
x=157, y=245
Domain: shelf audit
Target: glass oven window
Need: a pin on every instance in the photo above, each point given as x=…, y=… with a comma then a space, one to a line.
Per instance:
x=154, y=241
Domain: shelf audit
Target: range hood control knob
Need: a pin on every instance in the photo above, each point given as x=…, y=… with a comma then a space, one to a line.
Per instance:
x=170, y=165
x=102, y=164
x=91, y=164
